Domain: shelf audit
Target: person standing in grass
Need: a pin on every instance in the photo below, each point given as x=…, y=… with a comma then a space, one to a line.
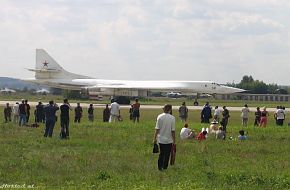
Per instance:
x=114, y=112
x=106, y=114
x=27, y=110
x=245, y=115
x=78, y=113
x=7, y=113
x=64, y=119
x=225, y=119
x=206, y=113
x=15, y=111
x=217, y=113
x=91, y=113
x=39, y=113
x=257, y=117
x=264, y=117
x=164, y=135
x=280, y=116
x=136, y=111
x=22, y=113
x=50, y=118
x=183, y=112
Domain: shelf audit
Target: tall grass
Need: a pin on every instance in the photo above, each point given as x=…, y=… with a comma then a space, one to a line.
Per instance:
x=119, y=156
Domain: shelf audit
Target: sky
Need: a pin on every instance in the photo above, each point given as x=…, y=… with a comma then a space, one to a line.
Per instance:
x=217, y=40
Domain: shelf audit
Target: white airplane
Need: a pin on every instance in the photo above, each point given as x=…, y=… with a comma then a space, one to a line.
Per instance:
x=49, y=72
x=7, y=91
x=42, y=91
x=173, y=94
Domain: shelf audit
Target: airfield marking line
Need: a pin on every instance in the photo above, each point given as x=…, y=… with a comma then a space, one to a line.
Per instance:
x=86, y=105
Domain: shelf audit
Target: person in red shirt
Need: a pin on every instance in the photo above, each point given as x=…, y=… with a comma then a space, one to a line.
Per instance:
x=136, y=110
x=201, y=136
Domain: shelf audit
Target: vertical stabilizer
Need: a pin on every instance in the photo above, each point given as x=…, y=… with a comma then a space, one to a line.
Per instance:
x=45, y=62
x=47, y=68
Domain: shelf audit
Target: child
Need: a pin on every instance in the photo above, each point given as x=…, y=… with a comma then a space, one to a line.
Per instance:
x=242, y=135
x=202, y=136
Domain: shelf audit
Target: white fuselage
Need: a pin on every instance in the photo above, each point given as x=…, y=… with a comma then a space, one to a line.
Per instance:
x=162, y=86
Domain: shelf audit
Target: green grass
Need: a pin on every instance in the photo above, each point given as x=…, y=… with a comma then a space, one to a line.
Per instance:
x=119, y=156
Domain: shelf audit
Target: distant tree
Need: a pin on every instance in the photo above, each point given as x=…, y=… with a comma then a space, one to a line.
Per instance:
x=256, y=86
x=272, y=88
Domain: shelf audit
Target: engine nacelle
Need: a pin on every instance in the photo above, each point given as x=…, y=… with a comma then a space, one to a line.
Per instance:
x=114, y=92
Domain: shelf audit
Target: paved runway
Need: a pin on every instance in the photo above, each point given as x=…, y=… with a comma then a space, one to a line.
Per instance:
x=84, y=105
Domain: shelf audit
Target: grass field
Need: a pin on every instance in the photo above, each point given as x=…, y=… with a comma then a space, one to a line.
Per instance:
x=119, y=156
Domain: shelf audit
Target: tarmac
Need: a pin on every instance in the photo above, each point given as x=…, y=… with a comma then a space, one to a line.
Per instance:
x=86, y=105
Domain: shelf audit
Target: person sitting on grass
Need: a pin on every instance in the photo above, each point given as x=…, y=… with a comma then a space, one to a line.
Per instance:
x=220, y=134
x=242, y=135
x=213, y=128
x=201, y=136
x=186, y=133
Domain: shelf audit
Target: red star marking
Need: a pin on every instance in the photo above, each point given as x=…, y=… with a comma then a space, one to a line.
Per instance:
x=45, y=64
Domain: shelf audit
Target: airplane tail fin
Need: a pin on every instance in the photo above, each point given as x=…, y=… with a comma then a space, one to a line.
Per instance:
x=47, y=68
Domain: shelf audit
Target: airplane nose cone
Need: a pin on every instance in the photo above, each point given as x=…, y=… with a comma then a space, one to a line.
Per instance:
x=230, y=90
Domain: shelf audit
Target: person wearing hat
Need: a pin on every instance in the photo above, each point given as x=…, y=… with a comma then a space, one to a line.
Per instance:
x=213, y=126
x=164, y=135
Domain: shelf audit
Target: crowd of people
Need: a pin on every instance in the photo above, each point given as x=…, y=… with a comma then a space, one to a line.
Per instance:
x=164, y=134
x=47, y=114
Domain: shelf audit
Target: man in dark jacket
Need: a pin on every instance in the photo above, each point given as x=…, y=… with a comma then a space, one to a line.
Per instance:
x=39, y=113
x=7, y=113
x=206, y=113
x=78, y=113
x=64, y=119
x=50, y=118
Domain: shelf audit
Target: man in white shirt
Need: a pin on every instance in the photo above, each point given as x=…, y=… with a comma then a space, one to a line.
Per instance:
x=115, y=111
x=165, y=135
x=217, y=113
x=280, y=114
x=15, y=112
x=245, y=115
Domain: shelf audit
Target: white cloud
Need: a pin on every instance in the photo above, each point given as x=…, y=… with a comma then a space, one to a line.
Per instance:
x=182, y=40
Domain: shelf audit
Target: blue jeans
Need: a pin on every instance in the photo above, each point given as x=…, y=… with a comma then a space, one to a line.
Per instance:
x=49, y=125
x=22, y=119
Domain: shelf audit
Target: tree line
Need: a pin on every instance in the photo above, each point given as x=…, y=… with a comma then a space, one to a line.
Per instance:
x=259, y=87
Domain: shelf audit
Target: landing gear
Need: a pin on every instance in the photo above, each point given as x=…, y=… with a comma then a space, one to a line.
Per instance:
x=195, y=103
